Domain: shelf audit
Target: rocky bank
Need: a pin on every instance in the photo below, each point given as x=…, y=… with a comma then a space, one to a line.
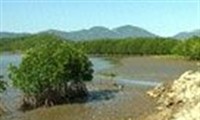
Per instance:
x=178, y=100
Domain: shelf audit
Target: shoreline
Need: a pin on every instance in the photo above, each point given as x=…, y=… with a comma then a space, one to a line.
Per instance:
x=114, y=55
x=129, y=55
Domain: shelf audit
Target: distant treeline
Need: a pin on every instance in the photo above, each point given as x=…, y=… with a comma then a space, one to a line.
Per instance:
x=189, y=48
x=144, y=46
x=23, y=43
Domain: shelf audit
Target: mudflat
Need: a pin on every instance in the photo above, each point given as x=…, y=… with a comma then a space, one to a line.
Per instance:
x=106, y=102
x=111, y=100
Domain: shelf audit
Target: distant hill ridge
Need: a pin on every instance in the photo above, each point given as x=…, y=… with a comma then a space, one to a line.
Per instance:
x=185, y=35
x=12, y=34
x=99, y=32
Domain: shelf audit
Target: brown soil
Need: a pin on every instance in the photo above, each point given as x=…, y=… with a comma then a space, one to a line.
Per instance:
x=1, y=112
x=2, y=109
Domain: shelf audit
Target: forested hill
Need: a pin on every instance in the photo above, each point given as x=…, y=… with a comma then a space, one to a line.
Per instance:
x=12, y=35
x=186, y=35
x=97, y=32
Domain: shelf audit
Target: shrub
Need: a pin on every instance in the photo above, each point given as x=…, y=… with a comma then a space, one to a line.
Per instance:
x=2, y=86
x=2, y=89
x=46, y=72
x=189, y=48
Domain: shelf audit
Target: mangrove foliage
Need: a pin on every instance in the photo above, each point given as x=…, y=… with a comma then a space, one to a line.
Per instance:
x=189, y=48
x=51, y=73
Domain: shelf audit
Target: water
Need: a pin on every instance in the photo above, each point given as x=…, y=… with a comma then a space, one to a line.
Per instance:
x=11, y=95
x=136, y=82
x=134, y=72
x=5, y=60
x=100, y=64
x=152, y=69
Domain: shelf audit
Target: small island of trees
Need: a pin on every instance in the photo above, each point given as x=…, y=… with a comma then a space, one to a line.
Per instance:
x=52, y=73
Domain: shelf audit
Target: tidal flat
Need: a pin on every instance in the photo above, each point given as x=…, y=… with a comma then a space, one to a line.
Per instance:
x=118, y=90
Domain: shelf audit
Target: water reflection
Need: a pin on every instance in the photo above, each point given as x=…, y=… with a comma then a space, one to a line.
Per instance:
x=137, y=82
x=99, y=95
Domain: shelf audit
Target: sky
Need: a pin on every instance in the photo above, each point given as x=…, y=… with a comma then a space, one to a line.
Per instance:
x=162, y=17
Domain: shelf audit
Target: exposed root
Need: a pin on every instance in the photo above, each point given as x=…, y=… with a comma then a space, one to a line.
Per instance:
x=74, y=92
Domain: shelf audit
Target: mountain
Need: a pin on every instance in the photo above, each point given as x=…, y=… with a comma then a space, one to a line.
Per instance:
x=132, y=31
x=99, y=32
x=185, y=35
x=11, y=34
x=92, y=33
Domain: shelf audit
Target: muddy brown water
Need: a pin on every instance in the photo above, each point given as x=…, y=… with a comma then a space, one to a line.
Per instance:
x=152, y=68
x=108, y=100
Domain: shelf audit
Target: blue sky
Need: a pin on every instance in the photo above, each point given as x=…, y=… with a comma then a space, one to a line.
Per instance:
x=162, y=17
